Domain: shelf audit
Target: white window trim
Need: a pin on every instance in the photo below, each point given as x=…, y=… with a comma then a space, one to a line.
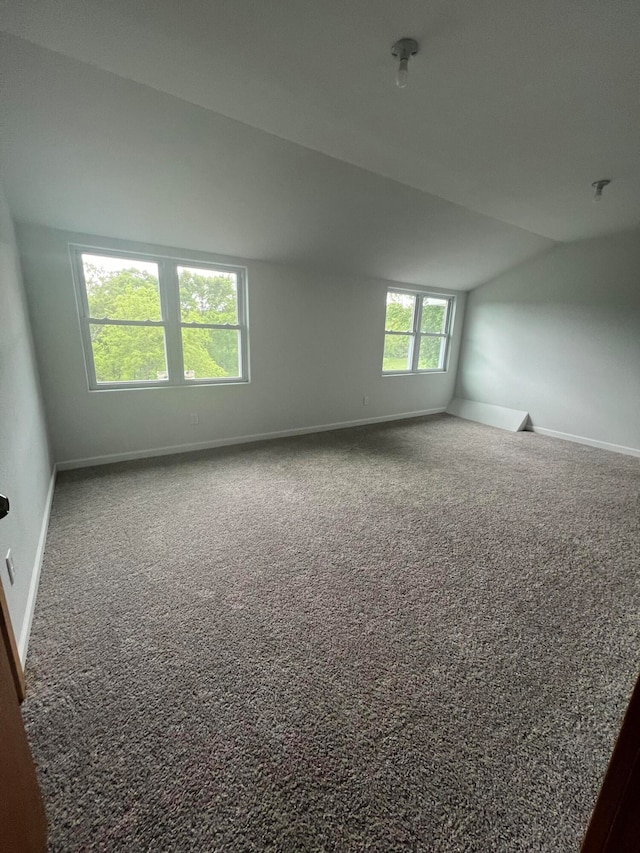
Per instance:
x=171, y=321
x=415, y=334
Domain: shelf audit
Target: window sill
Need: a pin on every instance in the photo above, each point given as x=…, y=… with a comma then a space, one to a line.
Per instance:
x=154, y=386
x=388, y=374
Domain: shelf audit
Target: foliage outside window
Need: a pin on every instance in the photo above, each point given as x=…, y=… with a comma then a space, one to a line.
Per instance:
x=417, y=331
x=160, y=321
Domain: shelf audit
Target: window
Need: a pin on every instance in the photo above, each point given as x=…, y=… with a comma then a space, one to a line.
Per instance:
x=154, y=321
x=417, y=329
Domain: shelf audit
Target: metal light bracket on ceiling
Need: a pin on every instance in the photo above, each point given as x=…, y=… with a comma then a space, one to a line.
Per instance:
x=598, y=186
x=403, y=50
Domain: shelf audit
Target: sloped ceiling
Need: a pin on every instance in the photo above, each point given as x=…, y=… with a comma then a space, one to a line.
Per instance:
x=513, y=108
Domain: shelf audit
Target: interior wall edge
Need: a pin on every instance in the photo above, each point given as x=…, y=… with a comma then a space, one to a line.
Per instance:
x=25, y=451
x=581, y=439
x=27, y=619
x=559, y=337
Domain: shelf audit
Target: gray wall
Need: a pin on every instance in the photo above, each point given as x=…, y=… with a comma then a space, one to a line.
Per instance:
x=316, y=342
x=25, y=468
x=560, y=338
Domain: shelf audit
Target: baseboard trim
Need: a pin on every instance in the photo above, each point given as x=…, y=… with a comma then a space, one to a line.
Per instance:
x=70, y=464
x=25, y=633
x=592, y=442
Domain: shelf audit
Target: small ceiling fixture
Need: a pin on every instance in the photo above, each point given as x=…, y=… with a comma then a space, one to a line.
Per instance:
x=598, y=186
x=404, y=49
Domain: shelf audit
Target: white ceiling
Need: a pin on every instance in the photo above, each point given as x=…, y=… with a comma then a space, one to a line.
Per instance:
x=514, y=107
x=272, y=129
x=86, y=151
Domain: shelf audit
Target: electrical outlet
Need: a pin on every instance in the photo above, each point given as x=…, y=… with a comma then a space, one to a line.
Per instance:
x=365, y=401
x=10, y=567
x=194, y=419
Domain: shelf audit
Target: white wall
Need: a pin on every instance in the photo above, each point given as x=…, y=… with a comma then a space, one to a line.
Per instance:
x=25, y=468
x=560, y=338
x=316, y=342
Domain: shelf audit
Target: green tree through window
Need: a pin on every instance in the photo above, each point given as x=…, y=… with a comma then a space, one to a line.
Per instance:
x=416, y=332
x=127, y=331
x=209, y=297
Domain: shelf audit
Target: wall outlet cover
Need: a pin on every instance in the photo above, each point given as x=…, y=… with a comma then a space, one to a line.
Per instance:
x=10, y=567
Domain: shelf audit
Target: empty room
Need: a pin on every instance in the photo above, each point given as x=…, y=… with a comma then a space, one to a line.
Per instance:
x=319, y=426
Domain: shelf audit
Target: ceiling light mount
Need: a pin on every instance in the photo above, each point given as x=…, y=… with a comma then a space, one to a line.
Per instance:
x=598, y=186
x=403, y=50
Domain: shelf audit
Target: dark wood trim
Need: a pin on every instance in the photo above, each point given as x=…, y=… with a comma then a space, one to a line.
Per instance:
x=9, y=641
x=23, y=823
x=615, y=822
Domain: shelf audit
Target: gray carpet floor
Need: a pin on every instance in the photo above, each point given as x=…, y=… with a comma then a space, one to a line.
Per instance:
x=417, y=636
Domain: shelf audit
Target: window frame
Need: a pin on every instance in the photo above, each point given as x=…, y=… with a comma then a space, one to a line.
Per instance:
x=171, y=319
x=415, y=333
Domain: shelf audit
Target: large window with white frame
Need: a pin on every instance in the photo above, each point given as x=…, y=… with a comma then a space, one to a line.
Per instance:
x=417, y=332
x=150, y=320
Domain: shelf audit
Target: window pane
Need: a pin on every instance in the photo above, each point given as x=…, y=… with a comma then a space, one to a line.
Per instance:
x=211, y=353
x=121, y=289
x=431, y=356
x=397, y=352
x=400, y=311
x=208, y=296
x=128, y=353
x=434, y=313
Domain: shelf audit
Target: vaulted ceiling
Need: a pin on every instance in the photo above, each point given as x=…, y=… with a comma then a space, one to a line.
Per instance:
x=513, y=108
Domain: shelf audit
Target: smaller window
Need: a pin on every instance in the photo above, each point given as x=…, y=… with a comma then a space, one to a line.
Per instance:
x=417, y=331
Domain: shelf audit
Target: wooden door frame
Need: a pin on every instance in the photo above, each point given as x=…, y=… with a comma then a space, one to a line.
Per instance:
x=615, y=822
x=8, y=638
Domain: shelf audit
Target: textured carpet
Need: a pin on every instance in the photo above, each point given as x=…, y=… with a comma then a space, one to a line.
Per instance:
x=414, y=636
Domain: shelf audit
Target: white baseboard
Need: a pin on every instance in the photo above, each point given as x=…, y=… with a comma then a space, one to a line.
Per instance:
x=592, y=442
x=241, y=439
x=23, y=641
